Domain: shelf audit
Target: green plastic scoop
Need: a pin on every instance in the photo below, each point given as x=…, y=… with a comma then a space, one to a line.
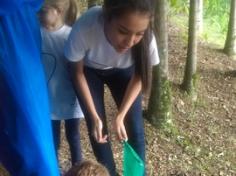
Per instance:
x=133, y=165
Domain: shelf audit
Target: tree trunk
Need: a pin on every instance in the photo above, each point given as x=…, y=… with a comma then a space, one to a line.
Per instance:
x=230, y=43
x=159, y=102
x=200, y=17
x=191, y=62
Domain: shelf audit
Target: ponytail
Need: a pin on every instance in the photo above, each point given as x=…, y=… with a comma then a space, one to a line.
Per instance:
x=71, y=13
x=68, y=8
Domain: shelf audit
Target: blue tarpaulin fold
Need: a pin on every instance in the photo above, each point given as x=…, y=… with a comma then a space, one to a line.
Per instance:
x=26, y=145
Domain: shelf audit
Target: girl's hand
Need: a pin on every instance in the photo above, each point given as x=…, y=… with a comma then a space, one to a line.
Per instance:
x=120, y=129
x=97, y=131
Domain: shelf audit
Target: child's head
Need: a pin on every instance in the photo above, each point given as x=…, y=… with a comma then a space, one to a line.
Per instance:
x=117, y=8
x=88, y=168
x=126, y=22
x=127, y=26
x=54, y=11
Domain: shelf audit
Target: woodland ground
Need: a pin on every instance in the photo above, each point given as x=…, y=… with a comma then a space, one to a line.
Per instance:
x=202, y=137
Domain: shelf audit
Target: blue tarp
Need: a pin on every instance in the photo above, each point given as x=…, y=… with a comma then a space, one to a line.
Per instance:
x=26, y=145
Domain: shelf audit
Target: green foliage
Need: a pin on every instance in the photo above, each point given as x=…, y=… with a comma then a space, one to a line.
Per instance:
x=179, y=6
x=216, y=7
x=216, y=17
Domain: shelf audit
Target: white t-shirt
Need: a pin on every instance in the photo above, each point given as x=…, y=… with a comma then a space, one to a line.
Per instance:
x=87, y=41
x=63, y=101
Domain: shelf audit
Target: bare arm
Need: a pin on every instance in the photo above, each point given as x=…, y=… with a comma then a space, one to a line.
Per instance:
x=81, y=86
x=132, y=91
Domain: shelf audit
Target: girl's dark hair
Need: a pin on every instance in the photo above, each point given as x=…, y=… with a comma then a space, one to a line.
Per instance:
x=141, y=55
x=140, y=52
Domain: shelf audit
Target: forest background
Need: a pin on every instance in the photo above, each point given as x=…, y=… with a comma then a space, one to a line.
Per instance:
x=199, y=135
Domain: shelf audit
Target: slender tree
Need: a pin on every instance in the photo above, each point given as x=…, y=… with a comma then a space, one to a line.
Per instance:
x=191, y=62
x=230, y=43
x=160, y=101
x=200, y=17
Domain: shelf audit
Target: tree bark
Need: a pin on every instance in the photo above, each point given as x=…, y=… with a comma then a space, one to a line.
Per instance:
x=159, y=102
x=191, y=62
x=230, y=43
x=200, y=17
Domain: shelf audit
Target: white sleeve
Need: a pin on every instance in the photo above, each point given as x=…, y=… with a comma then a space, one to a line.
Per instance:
x=154, y=56
x=76, y=45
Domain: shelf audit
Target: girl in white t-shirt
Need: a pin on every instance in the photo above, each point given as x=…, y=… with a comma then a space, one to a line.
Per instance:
x=113, y=45
x=55, y=17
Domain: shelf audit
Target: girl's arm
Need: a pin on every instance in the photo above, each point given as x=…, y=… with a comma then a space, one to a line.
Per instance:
x=131, y=93
x=81, y=87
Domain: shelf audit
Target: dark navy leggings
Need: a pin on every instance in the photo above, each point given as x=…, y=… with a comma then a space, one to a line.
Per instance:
x=72, y=136
x=117, y=80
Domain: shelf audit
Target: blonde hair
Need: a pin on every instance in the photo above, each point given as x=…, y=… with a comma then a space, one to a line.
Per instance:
x=68, y=8
x=88, y=168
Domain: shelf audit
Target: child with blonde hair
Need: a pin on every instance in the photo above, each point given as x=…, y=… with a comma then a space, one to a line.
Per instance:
x=56, y=16
x=88, y=168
